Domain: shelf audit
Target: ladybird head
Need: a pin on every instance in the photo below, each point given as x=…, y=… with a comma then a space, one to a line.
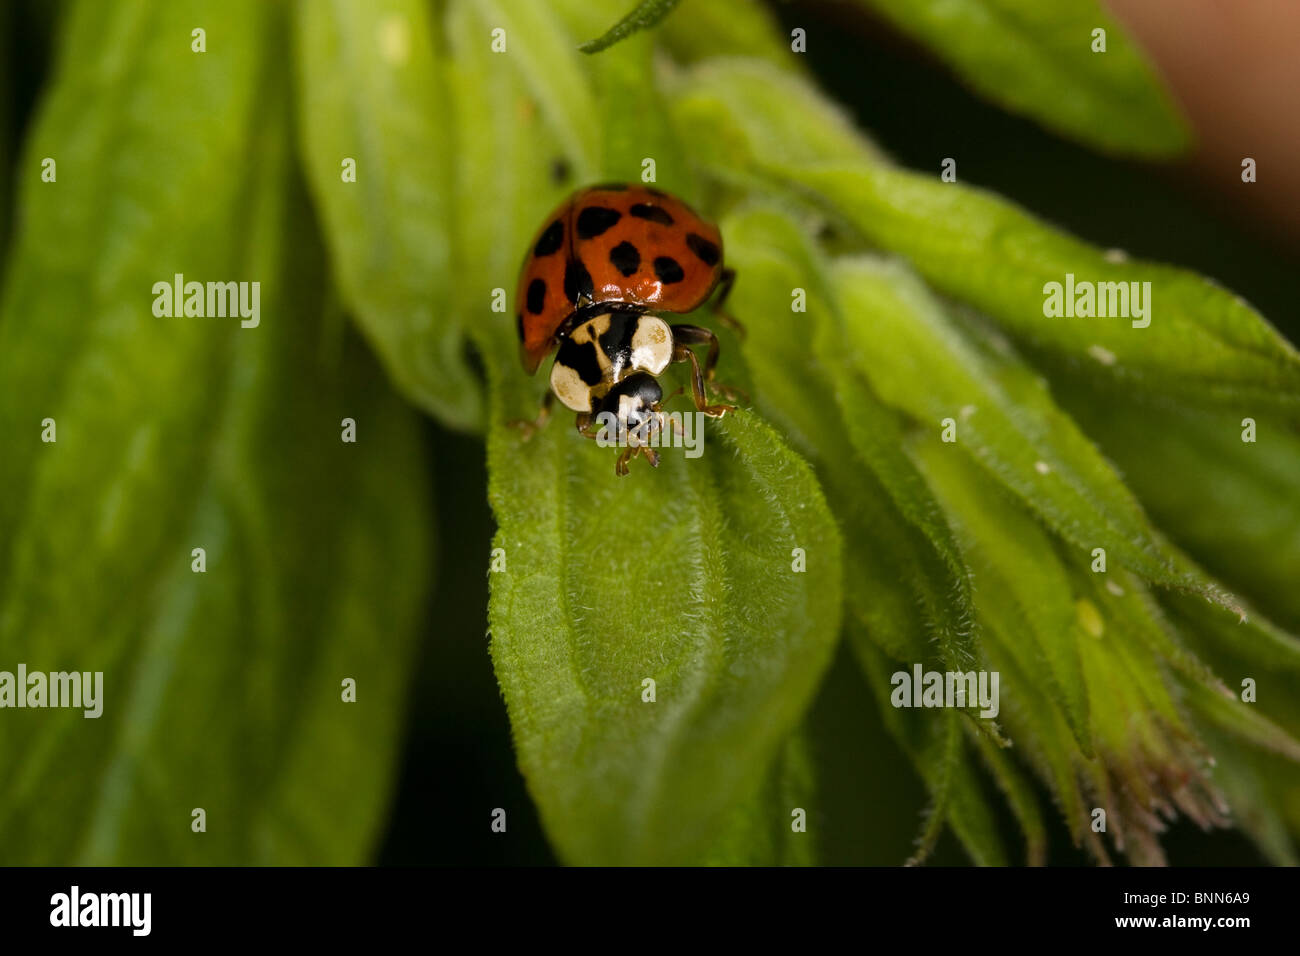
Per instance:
x=634, y=404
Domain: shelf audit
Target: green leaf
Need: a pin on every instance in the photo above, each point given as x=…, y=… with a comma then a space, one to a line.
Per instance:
x=505, y=154
x=742, y=109
x=1244, y=721
x=1001, y=414
x=643, y=16
x=760, y=832
x=511, y=154
x=371, y=93
x=1258, y=787
x=899, y=552
x=934, y=745
x=1235, y=507
x=1020, y=794
x=1203, y=343
x=553, y=77
x=1253, y=648
x=1038, y=727
x=682, y=575
x=886, y=512
x=1038, y=59
x=719, y=28
x=222, y=690
x=1017, y=574
x=622, y=89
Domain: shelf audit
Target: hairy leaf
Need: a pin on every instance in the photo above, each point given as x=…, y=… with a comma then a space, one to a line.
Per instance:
x=222, y=683
x=684, y=575
x=372, y=122
x=1019, y=791
x=884, y=507
x=681, y=575
x=726, y=28
x=1017, y=573
x=762, y=831
x=1001, y=414
x=1040, y=59
x=1233, y=504
x=642, y=17
x=1202, y=342
x=932, y=739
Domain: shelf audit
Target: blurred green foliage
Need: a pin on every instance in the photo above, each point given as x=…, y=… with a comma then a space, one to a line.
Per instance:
x=222, y=689
x=1068, y=64
x=467, y=120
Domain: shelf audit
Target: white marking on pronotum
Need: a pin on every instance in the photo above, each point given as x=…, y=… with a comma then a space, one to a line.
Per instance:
x=652, y=344
x=570, y=388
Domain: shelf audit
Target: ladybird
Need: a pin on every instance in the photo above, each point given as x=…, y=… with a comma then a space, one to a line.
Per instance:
x=600, y=266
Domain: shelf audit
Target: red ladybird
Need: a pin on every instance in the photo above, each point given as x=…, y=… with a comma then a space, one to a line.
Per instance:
x=604, y=259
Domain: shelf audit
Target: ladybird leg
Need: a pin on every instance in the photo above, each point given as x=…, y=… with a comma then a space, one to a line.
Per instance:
x=586, y=426
x=684, y=336
x=675, y=423
x=725, y=281
x=621, y=465
x=529, y=429
x=688, y=335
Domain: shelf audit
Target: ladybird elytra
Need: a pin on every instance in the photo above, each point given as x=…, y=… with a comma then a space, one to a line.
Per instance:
x=630, y=244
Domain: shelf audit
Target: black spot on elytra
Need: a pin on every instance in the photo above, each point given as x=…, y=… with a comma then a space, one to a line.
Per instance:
x=709, y=253
x=577, y=283
x=519, y=326
x=536, y=296
x=625, y=258
x=668, y=270
x=594, y=220
x=582, y=359
x=653, y=213
x=548, y=243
